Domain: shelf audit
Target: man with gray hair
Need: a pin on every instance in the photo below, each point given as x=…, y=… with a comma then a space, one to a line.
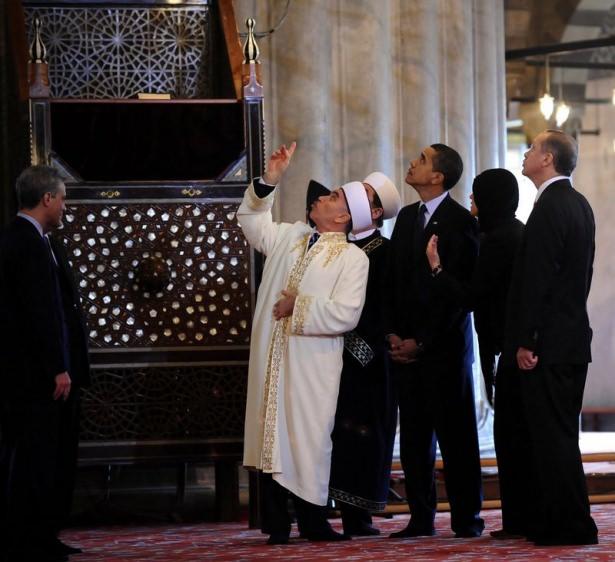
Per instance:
x=44, y=363
x=543, y=367
x=312, y=292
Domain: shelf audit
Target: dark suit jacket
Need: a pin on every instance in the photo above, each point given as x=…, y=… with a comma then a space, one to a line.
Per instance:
x=415, y=308
x=38, y=331
x=73, y=315
x=551, y=279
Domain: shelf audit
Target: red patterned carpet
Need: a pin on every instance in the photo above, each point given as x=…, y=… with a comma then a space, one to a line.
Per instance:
x=233, y=541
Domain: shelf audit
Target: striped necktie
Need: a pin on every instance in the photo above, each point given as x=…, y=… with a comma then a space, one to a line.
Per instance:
x=313, y=239
x=420, y=218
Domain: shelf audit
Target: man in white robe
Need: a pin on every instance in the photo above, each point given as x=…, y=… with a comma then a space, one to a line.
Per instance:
x=311, y=293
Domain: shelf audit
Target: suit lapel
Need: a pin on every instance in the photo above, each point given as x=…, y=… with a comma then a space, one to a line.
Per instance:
x=417, y=236
x=63, y=266
x=433, y=226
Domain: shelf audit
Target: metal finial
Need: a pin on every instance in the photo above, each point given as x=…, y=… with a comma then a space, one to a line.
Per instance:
x=38, y=52
x=250, y=48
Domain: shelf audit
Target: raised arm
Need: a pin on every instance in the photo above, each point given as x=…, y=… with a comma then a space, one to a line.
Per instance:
x=278, y=162
x=254, y=213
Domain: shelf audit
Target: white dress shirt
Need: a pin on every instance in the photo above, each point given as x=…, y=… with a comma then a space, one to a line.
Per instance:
x=431, y=206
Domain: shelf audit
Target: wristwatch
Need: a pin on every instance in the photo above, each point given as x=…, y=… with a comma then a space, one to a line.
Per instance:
x=436, y=270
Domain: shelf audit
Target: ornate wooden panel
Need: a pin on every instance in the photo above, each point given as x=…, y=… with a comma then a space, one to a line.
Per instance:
x=169, y=404
x=165, y=275
x=151, y=274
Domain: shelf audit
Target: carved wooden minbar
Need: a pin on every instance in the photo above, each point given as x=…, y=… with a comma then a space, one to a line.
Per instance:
x=166, y=278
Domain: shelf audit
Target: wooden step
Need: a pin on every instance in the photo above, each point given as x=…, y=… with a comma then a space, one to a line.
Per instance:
x=600, y=474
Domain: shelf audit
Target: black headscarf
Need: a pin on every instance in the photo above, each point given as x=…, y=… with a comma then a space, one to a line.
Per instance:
x=496, y=196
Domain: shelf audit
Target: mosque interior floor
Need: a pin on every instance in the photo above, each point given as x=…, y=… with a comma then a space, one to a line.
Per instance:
x=234, y=541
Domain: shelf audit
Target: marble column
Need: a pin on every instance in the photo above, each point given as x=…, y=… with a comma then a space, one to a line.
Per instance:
x=366, y=84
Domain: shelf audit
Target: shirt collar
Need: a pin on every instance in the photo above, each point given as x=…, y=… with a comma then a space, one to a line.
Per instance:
x=33, y=222
x=547, y=183
x=432, y=205
x=361, y=235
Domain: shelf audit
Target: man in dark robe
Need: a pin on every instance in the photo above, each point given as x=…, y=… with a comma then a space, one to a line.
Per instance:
x=365, y=421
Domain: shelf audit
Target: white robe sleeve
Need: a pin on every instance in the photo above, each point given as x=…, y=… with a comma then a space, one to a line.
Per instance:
x=254, y=217
x=318, y=315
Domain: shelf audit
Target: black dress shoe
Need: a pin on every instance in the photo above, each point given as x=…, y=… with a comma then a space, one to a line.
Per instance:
x=326, y=535
x=468, y=534
x=278, y=538
x=361, y=530
x=502, y=534
x=565, y=541
x=411, y=531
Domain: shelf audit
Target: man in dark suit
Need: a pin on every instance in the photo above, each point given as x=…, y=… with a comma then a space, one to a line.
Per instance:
x=44, y=364
x=431, y=346
x=547, y=350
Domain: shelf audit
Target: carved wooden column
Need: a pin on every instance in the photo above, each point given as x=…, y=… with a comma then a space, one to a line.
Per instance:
x=38, y=82
x=253, y=105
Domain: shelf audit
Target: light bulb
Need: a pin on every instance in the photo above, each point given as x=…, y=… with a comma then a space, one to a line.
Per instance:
x=546, y=105
x=561, y=113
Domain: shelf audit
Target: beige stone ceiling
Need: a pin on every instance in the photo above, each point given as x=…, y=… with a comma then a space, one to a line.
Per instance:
x=532, y=23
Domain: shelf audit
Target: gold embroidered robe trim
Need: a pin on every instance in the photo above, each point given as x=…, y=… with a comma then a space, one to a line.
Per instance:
x=302, y=306
x=375, y=243
x=290, y=404
x=333, y=243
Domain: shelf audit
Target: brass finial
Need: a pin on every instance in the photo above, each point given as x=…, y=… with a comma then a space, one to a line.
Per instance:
x=250, y=48
x=38, y=52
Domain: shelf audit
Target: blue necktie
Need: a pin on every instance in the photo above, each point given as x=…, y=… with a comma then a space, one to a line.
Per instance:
x=420, y=218
x=419, y=231
x=313, y=239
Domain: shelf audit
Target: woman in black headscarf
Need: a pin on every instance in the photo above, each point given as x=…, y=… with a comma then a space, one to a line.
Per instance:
x=495, y=197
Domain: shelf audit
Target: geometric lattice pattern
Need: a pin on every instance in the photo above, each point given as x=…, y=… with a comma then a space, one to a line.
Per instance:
x=164, y=403
x=160, y=274
x=116, y=52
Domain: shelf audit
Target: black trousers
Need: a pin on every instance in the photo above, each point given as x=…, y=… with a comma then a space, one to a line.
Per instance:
x=38, y=460
x=488, y=352
x=436, y=400
x=276, y=520
x=353, y=516
x=552, y=398
x=512, y=449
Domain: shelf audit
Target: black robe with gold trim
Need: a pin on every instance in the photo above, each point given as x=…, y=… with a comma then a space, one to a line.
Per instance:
x=366, y=417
